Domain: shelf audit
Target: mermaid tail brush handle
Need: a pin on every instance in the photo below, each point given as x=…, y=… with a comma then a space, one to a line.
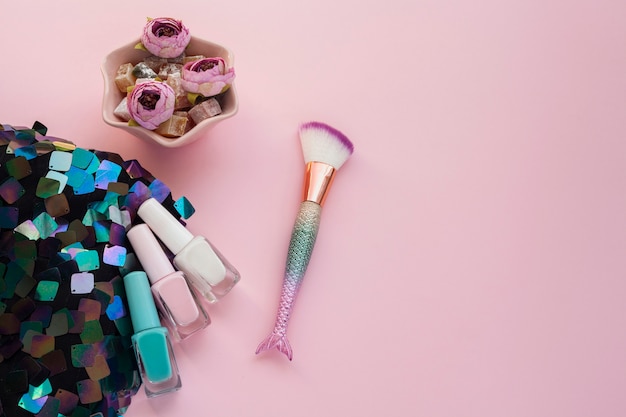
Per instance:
x=300, y=249
x=325, y=149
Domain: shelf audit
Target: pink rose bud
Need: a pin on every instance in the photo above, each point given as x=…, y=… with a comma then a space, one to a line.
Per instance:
x=165, y=37
x=207, y=76
x=151, y=103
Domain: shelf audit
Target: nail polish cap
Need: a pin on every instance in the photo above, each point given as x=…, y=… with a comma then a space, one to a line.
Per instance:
x=153, y=260
x=143, y=312
x=171, y=232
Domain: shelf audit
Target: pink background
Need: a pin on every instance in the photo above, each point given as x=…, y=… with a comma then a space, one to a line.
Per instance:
x=471, y=256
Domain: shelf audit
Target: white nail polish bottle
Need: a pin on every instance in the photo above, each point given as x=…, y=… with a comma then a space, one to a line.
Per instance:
x=207, y=270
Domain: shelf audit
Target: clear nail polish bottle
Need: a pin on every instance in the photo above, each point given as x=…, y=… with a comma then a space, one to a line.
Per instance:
x=204, y=266
x=151, y=341
x=177, y=303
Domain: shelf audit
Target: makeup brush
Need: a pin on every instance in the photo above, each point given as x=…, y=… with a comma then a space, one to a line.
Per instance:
x=325, y=149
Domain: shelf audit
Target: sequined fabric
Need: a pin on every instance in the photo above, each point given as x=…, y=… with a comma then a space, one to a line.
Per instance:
x=64, y=325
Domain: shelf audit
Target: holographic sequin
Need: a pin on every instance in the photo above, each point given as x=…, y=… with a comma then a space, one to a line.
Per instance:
x=83, y=355
x=86, y=187
x=131, y=264
x=80, y=229
x=26, y=284
x=63, y=224
x=116, y=309
x=91, y=308
x=55, y=362
x=125, y=218
x=82, y=283
x=50, y=408
x=47, y=187
x=11, y=190
x=58, y=325
x=25, y=249
x=13, y=275
x=92, y=332
x=134, y=169
x=101, y=230
x=40, y=128
x=75, y=177
x=74, y=248
x=60, y=161
x=44, y=148
x=119, y=188
x=45, y=225
x=46, y=290
x=26, y=265
x=184, y=207
x=28, y=229
x=159, y=190
x=66, y=269
x=8, y=217
x=92, y=216
x=9, y=324
x=115, y=215
x=61, y=178
x=87, y=260
x=57, y=205
x=103, y=297
x=37, y=344
x=19, y=168
x=66, y=238
x=68, y=314
x=105, y=288
x=101, y=207
x=88, y=391
x=81, y=158
x=50, y=274
x=28, y=152
x=68, y=401
x=43, y=314
x=41, y=390
x=114, y=255
x=107, y=346
x=99, y=370
x=35, y=326
x=93, y=166
x=23, y=308
x=28, y=404
x=107, y=172
x=117, y=234
x=77, y=322
x=140, y=189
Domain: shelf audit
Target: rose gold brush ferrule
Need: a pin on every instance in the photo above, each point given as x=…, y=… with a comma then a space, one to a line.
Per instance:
x=317, y=181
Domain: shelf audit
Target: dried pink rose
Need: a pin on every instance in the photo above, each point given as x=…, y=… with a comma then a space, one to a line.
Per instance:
x=165, y=37
x=151, y=103
x=208, y=76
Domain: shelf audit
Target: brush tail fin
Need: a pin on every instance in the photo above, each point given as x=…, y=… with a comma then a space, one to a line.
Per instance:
x=276, y=341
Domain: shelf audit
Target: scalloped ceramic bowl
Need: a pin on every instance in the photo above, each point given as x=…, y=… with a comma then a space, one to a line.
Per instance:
x=113, y=96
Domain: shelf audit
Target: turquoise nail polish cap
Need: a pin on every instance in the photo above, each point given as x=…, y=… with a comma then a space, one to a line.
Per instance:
x=143, y=312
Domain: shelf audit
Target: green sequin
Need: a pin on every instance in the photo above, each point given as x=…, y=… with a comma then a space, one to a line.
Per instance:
x=46, y=290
